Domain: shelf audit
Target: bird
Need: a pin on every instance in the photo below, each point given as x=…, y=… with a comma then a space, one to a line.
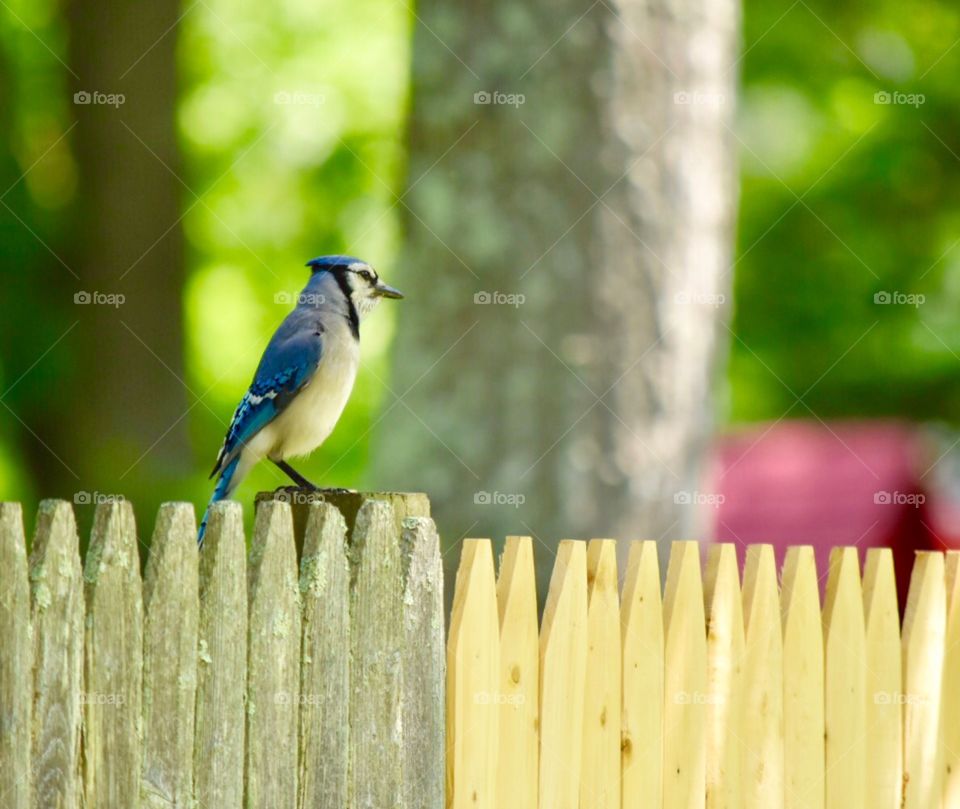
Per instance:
x=305, y=375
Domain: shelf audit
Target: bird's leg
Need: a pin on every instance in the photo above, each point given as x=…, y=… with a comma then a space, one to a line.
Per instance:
x=296, y=477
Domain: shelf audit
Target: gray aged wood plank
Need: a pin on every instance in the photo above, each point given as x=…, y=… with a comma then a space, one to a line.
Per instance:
x=16, y=661
x=222, y=662
x=273, y=661
x=376, y=626
x=405, y=504
x=325, y=666
x=171, y=604
x=56, y=585
x=113, y=662
x=424, y=666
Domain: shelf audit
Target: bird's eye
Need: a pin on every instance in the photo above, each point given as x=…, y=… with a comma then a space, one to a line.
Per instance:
x=366, y=275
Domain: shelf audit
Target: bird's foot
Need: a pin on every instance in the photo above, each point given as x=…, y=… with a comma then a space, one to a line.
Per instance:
x=299, y=495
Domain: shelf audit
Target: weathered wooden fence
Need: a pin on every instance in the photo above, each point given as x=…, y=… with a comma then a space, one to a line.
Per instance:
x=716, y=694
x=309, y=672
x=223, y=679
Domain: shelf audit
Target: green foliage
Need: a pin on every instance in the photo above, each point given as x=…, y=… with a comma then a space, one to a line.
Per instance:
x=878, y=212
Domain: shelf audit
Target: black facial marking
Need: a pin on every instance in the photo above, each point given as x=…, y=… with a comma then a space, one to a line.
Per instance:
x=352, y=317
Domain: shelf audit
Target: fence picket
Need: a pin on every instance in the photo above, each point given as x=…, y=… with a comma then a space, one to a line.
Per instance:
x=685, y=677
x=803, y=749
x=473, y=676
x=641, y=626
x=519, y=740
x=57, y=609
x=326, y=689
x=762, y=763
x=273, y=661
x=845, y=684
x=16, y=660
x=924, y=629
x=221, y=661
x=723, y=695
x=113, y=660
x=170, y=599
x=950, y=722
x=325, y=667
x=376, y=637
x=600, y=777
x=423, y=664
x=563, y=664
x=883, y=672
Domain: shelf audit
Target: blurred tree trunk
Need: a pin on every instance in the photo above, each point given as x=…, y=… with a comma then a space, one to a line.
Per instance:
x=606, y=198
x=126, y=430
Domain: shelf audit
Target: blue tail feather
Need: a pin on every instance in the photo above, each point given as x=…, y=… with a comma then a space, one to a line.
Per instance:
x=220, y=492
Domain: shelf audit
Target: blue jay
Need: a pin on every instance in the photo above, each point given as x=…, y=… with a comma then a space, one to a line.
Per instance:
x=305, y=375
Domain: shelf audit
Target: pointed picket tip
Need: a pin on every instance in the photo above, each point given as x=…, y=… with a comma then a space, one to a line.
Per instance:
x=721, y=576
x=844, y=683
x=641, y=631
x=113, y=541
x=843, y=583
x=600, y=778
x=563, y=668
x=224, y=542
x=725, y=643
x=762, y=727
x=803, y=685
x=16, y=664
x=174, y=543
x=924, y=632
x=683, y=578
x=799, y=588
x=685, y=679
x=57, y=602
x=221, y=659
x=272, y=538
x=475, y=578
x=519, y=739
x=951, y=674
x=170, y=598
x=473, y=671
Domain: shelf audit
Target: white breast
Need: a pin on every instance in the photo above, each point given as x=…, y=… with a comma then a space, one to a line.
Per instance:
x=307, y=421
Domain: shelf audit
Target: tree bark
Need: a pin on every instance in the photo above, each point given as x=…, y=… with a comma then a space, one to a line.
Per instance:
x=605, y=198
x=128, y=397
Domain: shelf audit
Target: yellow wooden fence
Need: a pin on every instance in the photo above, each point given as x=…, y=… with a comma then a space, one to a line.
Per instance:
x=716, y=693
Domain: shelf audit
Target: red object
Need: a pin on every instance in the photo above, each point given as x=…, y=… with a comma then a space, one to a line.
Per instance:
x=807, y=483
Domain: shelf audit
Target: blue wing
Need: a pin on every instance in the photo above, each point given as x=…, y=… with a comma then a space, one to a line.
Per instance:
x=287, y=365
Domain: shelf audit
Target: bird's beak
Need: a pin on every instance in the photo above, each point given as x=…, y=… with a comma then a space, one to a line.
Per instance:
x=386, y=291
